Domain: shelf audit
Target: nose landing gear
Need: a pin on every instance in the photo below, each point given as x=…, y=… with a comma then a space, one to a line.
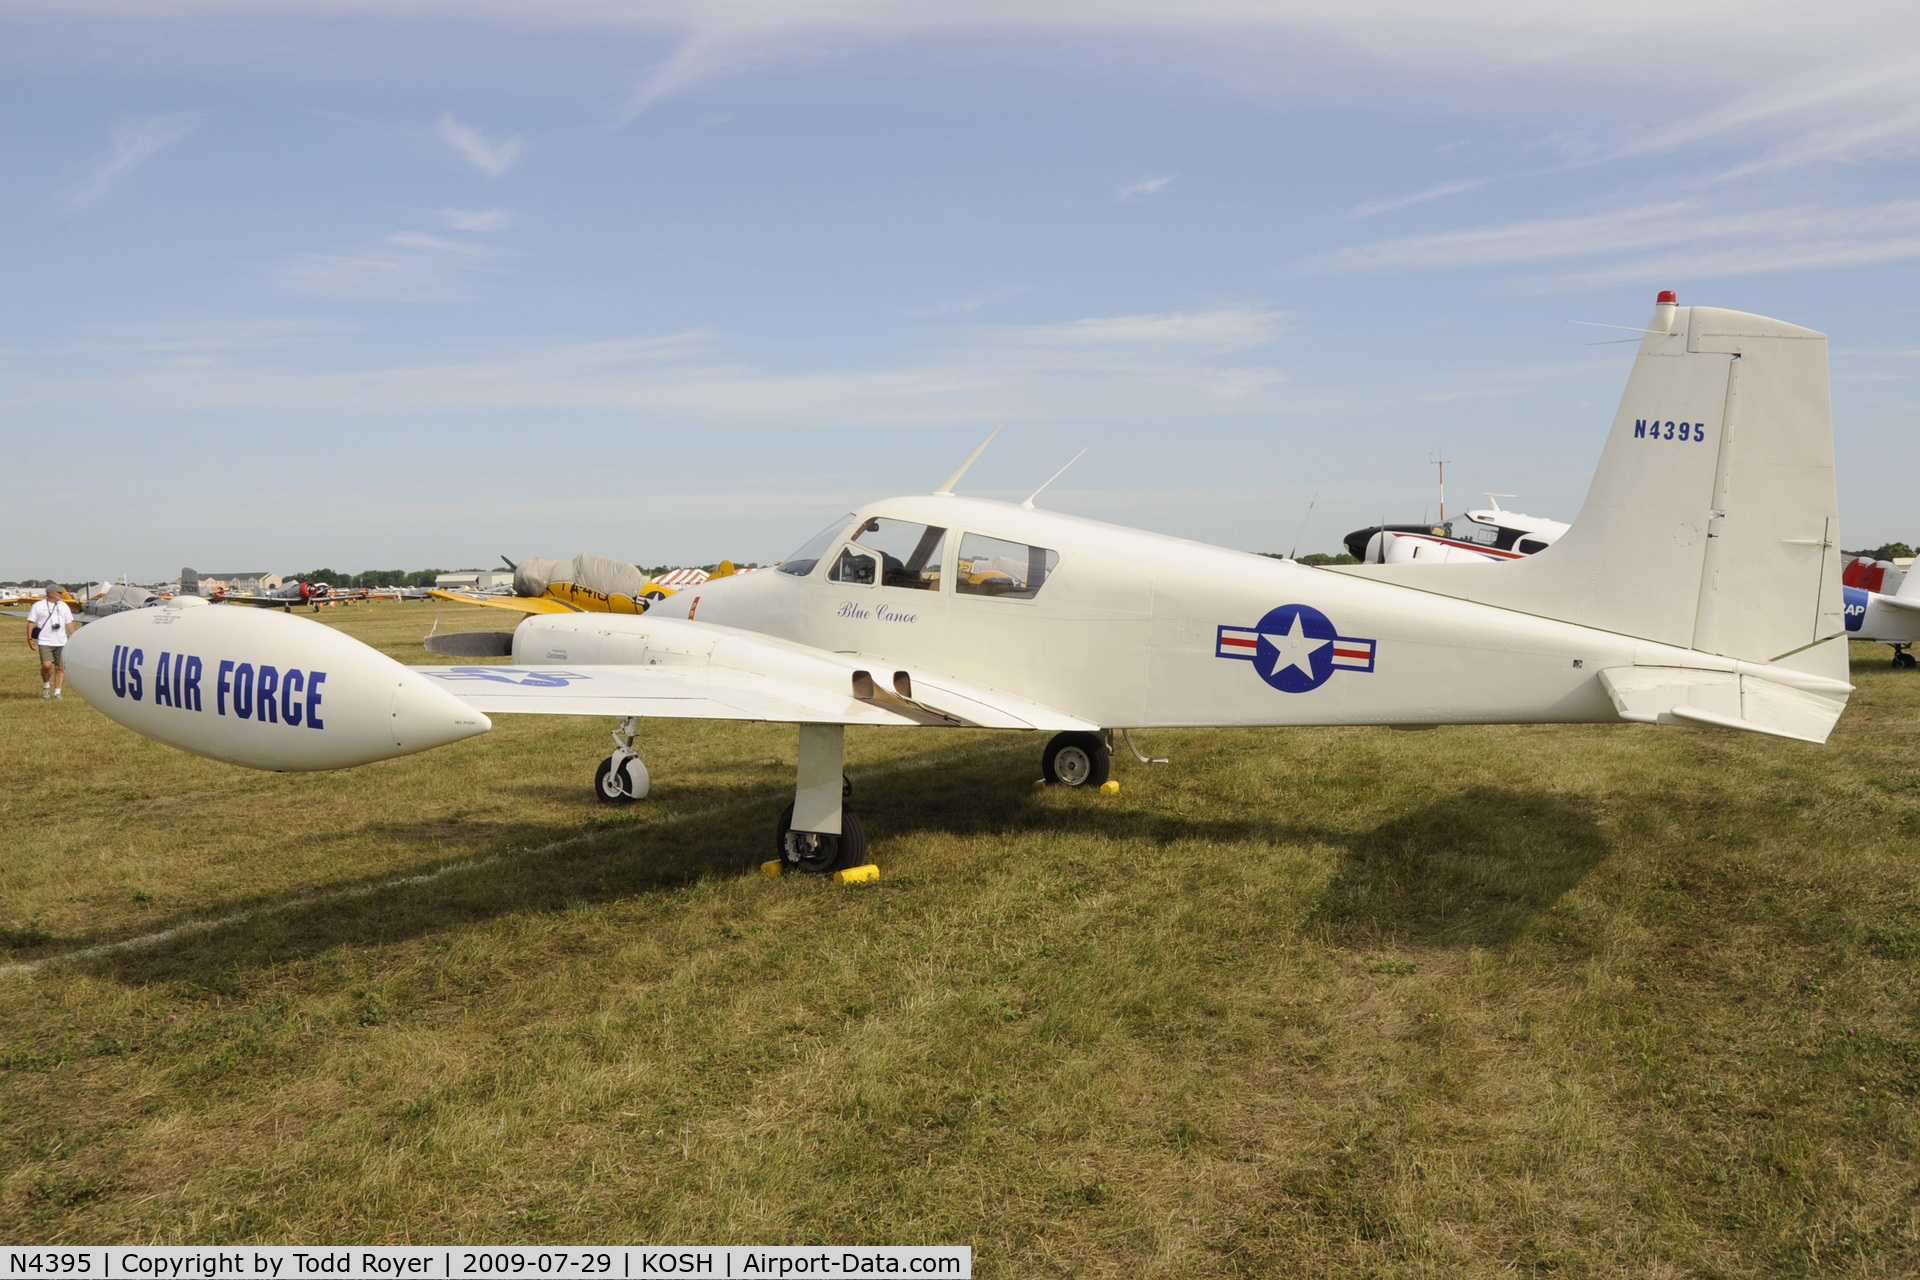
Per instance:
x=621, y=777
x=1902, y=659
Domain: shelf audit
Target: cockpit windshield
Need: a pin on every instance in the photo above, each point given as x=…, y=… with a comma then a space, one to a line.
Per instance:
x=801, y=562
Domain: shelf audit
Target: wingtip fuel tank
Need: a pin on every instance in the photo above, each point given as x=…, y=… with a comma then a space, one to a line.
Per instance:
x=261, y=689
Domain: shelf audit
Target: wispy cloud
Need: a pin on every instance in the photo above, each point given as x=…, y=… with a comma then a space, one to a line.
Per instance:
x=1141, y=366
x=134, y=143
x=410, y=266
x=1439, y=192
x=189, y=339
x=1221, y=329
x=1537, y=239
x=972, y=302
x=477, y=219
x=1672, y=240
x=1150, y=187
x=489, y=157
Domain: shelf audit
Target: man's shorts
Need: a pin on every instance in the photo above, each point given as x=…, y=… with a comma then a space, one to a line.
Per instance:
x=54, y=653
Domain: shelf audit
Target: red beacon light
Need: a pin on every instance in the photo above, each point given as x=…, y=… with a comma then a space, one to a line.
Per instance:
x=1667, y=298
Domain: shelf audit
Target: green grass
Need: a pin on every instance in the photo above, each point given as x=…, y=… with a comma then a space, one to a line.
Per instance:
x=1491, y=1001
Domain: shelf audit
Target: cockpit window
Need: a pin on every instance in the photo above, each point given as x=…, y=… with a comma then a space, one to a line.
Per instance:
x=801, y=562
x=992, y=567
x=910, y=553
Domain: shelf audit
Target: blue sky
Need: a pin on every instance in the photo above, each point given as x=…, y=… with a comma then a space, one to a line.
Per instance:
x=417, y=283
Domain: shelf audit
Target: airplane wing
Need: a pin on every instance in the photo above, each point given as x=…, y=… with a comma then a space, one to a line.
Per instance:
x=1900, y=602
x=749, y=678
x=519, y=604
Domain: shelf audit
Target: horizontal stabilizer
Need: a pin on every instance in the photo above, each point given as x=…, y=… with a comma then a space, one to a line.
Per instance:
x=1727, y=700
x=1901, y=602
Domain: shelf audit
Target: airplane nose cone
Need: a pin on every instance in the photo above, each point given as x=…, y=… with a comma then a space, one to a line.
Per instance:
x=425, y=715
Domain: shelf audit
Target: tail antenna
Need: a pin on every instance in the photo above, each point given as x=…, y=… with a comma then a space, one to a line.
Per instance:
x=954, y=479
x=1028, y=504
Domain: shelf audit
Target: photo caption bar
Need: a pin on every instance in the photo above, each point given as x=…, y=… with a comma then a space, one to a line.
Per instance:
x=429, y=1262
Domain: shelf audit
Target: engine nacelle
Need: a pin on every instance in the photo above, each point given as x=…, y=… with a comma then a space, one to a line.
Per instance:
x=260, y=688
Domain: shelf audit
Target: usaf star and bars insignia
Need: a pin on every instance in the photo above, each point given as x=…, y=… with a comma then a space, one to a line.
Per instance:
x=1295, y=648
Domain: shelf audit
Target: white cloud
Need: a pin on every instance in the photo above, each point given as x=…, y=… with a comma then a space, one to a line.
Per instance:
x=490, y=158
x=1438, y=192
x=134, y=143
x=1141, y=366
x=1221, y=329
x=477, y=219
x=972, y=302
x=1760, y=241
x=1150, y=187
x=439, y=244
x=411, y=266
x=202, y=338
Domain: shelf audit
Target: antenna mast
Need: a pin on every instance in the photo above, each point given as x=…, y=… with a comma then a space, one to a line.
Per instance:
x=1441, y=463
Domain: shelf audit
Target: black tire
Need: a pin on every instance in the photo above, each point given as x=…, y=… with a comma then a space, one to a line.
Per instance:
x=1904, y=660
x=613, y=788
x=820, y=854
x=1076, y=760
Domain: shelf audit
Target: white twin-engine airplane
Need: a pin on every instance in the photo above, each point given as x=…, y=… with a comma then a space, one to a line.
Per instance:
x=1700, y=585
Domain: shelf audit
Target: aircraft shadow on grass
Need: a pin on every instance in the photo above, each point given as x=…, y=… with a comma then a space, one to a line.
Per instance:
x=1470, y=869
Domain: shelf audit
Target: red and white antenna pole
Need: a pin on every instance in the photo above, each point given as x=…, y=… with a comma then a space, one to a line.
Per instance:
x=1442, y=464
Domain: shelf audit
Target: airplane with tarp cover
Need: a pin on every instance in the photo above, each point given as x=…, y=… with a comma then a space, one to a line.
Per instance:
x=1699, y=586
x=588, y=583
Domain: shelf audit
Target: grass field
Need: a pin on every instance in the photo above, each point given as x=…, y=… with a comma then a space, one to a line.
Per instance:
x=1482, y=1001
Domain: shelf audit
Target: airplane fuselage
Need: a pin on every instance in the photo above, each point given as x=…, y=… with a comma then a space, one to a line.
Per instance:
x=1134, y=630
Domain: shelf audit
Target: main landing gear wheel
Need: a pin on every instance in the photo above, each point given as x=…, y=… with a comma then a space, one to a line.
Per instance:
x=1077, y=760
x=1902, y=659
x=620, y=781
x=817, y=853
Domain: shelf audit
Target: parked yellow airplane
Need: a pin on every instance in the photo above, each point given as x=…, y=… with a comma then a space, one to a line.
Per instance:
x=585, y=584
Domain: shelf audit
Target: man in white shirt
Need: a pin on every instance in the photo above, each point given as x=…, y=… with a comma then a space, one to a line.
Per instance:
x=47, y=626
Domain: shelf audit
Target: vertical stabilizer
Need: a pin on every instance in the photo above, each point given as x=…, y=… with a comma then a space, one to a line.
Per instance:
x=1712, y=520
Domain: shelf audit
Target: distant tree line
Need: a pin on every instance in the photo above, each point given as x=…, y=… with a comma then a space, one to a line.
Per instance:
x=1317, y=557
x=1885, y=551
x=370, y=578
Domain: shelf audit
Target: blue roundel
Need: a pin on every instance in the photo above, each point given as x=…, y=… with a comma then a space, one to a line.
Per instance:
x=1295, y=653
x=1855, y=601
